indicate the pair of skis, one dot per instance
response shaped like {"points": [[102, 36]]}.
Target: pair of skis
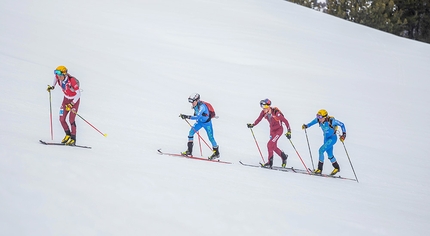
{"points": [[294, 170], [62, 144], [192, 157]]}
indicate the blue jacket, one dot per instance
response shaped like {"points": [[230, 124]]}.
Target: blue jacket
{"points": [[328, 130], [201, 113]]}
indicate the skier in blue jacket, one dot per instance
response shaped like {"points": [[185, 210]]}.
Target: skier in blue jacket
{"points": [[203, 120], [329, 127]]}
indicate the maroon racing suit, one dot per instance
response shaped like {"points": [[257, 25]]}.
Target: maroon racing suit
{"points": [[275, 119], [72, 94]]}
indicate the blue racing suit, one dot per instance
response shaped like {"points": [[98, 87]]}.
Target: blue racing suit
{"points": [[203, 120], [330, 137]]}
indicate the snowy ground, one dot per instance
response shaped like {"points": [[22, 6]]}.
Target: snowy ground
{"points": [[138, 61]]}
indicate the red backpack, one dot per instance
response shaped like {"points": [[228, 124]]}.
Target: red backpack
{"points": [[211, 109], [275, 111]]}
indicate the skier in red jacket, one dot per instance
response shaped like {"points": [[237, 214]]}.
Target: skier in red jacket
{"points": [[275, 118], [71, 100]]}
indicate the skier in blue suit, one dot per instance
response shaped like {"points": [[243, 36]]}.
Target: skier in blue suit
{"points": [[203, 120], [329, 127]]}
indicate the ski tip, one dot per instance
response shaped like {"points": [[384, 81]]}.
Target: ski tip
{"points": [[43, 142]]}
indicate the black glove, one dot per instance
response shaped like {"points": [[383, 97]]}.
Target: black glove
{"points": [[304, 126], [49, 88], [250, 125], [184, 116], [288, 134]]}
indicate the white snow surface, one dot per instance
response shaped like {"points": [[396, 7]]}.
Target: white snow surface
{"points": [[138, 61]]}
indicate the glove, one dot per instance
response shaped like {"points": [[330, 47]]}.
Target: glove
{"points": [[250, 126], [50, 88], [343, 137], [288, 134], [184, 116], [69, 106], [304, 126]]}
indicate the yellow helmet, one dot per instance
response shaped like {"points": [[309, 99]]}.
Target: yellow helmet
{"points": [[62, 69], [322, 113]]}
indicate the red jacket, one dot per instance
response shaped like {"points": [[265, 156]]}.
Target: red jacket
{"points": [[69, 86], [275, 119]]}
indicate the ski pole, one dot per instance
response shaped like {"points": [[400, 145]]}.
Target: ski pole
{"points": [[350, 161], [257, 144], [299, 156], [89, 123], [200, 145], [195, 131], [309, 147], [50, 115]]}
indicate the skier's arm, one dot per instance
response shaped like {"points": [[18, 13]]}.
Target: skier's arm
{"points": [[260, 117], [314, 121], [199, 113], [54, 82], [52, 86], [283, 119], [339, 123], [77, 96], [75, 87]]}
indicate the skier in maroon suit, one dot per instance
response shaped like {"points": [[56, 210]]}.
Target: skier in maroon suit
{"points": [[275, 118], [71, 100]]}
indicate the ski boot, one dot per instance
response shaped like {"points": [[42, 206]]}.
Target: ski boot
{"points": [[66, 138], [320, 167], [71, 141], [268, 164], [215, 153], [336, 168], [284, 159], [189, 151]]}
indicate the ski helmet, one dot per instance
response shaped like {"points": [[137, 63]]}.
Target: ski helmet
{"points": [[265, 102], [60, 70], [194, 97], [322, 113]]}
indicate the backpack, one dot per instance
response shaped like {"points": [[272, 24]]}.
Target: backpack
{"points": [[211, 109], [77, 81], [275, 111], [330, 123]]}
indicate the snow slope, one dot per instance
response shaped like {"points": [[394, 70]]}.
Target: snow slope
{"points": [[138, 61]]}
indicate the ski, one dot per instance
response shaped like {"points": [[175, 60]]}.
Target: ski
{"points": [[284, 169], [330, 176], [192, 157], [62, 144]]}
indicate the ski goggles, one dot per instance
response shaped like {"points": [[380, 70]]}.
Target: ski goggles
{"points": [[190, 100], [320, 116], [264, 105], [57, 72]]}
